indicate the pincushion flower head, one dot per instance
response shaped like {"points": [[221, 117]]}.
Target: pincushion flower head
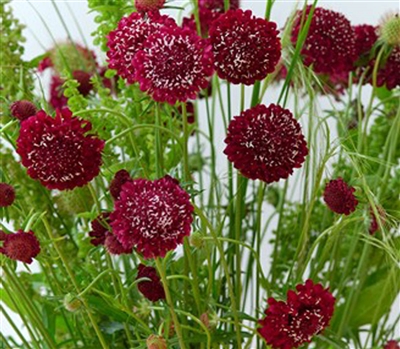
{"points": [[339, 197], [58, 151], [330, 46], [174, 65], [153, 290], [152, 216], [305, 313], [125, 41], [245, 48], [149, 5], [20, 246], [22, 109], [265, 143], [7, 195]]}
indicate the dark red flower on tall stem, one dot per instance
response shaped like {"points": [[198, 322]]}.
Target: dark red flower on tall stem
{"points": [[20, 246], [125, 41], [339, 197], [7, 195], [152, 216], [265, 143], [246, 48], [305, 313], [153, 290], [174, 65], [58, 151], [330, 46]]}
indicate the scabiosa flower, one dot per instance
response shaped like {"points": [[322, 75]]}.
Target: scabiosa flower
{"points": [[305, 314], [246, 48], [152, 216], [392, 344], [330, 45], [120, 178], [174, 65], [153, 290], [265, 143], [339, 197], [22, 109], [156, 342], [389, 74], [58, 151], [366, 37], [125, 41], [57, 98], [149, 5], [20, 246], [7, 195]]}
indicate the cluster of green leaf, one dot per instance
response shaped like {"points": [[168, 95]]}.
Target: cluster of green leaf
{"points": [[16, 81]]}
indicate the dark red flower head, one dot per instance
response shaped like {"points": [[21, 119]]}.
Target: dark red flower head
{"points": [[153, 290], [374, 225], [58, 151], [265, 143], [330, 45], [389, 75], [246, 48], [305, 314], [83, 78], [7, 195], [22, 110], [125, 41], [152, 216], [120, 178], [339, 197], [20, 246], [392, 345], [218, 5], [149, 5], [174, 65], [57, 98], [366, 37]]}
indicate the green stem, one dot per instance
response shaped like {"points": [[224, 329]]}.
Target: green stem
{"points": [[74, 282], [168, 297]]}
